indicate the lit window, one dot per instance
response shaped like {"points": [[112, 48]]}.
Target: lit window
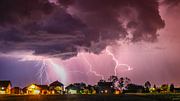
{"points": [[36, 92], [33, 86]]}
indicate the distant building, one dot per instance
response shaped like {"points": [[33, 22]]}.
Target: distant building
{"points": [[77, 88], [36, 89], [5, 87], [44, 89], [177, 90], [117, 91], [72, 89], [32, 89], [133, 88], [56, 88], [24, 90], [90, 90], [16, 90], [105, 87]]}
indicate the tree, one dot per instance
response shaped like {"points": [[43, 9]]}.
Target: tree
{"points": [[119, 83], [124, 81], [102, 80], [172, 88], [113, 78], [154, 86], [127, 81], [147, 86], [164, 87]]}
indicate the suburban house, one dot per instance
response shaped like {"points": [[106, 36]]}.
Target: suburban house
{"points": [[89, 90], [117, 91], [36, 89], [77, 88], [93, 89], [56, 88], [24, 90], [32, 89], [5, 87], [72, 89], [133, 88], [177, 90], [16, 90], [44, 89], [105, 87]]}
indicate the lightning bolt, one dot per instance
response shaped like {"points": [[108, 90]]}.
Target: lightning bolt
{"points": [[45, 65], [91, 69], [42, 73], [41, 62], [117, 62]]}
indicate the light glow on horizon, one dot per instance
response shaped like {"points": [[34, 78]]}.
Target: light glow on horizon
{"points": [[60, 71], [45, 64], [51, 69]]}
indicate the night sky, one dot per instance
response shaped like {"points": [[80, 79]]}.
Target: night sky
{"points": [[83, 40]]}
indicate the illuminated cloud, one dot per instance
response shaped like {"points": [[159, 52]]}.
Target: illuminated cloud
{"points": [[171, 3], [62, 29], [73, 29]]}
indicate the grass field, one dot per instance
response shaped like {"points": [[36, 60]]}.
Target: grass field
{"points": [[124, 97]]}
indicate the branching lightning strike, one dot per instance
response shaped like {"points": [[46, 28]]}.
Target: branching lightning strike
{"points": [[91, 69], [117, 64], [45, 65], [42, 73]]}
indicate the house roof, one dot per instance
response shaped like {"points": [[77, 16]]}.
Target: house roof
{"points": [[45, 87], [56, 83], [177, 88], [16, 88], [5, 83], [71, 86]]}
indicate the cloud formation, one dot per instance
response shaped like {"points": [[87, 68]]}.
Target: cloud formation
{"points": [[171, 3], [62, 29]]}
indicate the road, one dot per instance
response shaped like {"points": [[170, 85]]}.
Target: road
{"points": [[126, 97]]}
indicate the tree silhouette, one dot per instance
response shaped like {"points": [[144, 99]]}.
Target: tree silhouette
{"points": [[119, 83], [102, 80], [147, 86], [113, 78], [172, 88]]}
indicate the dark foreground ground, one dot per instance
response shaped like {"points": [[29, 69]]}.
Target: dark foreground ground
{"points": [[124, 97]]}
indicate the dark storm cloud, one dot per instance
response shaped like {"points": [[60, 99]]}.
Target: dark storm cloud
{"points": [[7, 36], [15, 11], [171, 3], [61, 23], [142, 16], [61, 30]]}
